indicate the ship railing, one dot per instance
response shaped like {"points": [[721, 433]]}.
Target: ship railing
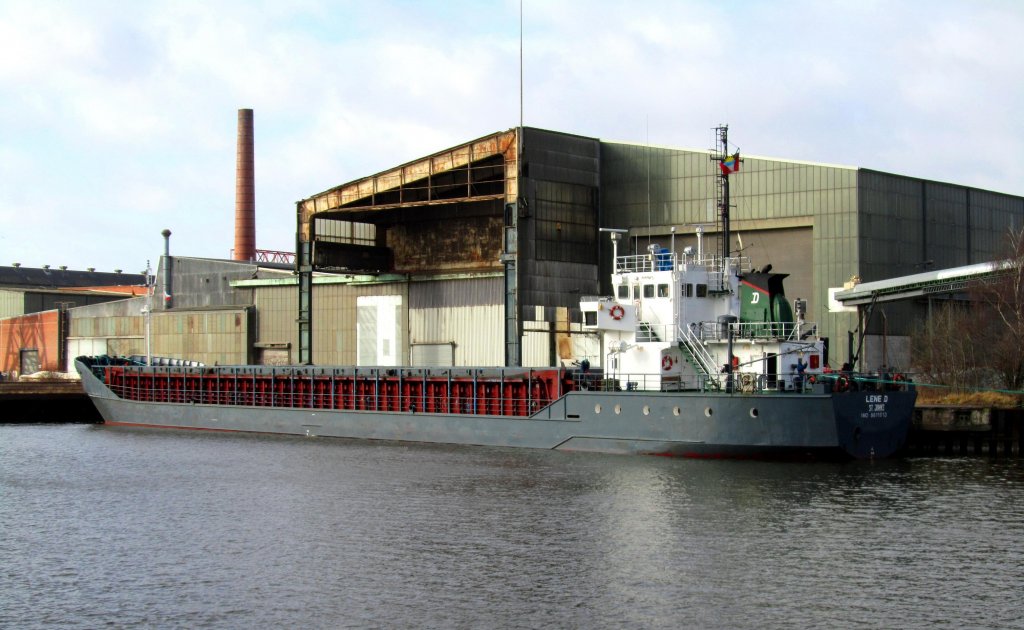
{"points": [[666, 260], [733, 264], [739, 382], [756, 330], [646, 331], [645, 263], [696, 348], [716, 381]]}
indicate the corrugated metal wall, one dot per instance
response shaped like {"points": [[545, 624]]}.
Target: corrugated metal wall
{"points": [[276, 310], [205, 283], [12, 303], [558, 244], [909, 225], [848, 221], [906, 222], [801, 218], [20, 301], [468, 313], [211, 337], [334, 317]]}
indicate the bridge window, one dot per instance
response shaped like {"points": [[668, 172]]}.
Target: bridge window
{"points": [[648, 290], [590, 318], [623, 291], [687, 290], [663, 290], [702, 290]]}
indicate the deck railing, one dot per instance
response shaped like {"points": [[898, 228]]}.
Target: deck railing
{"points": [[668, 261]]}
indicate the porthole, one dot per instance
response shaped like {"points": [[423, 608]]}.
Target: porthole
{"points": [[597, 408], [676, 411], [753, 412], [618, 409], [647, 410], [708, 412]]}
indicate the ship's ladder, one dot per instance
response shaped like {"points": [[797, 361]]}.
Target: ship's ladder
{"points": [[696, 353]]}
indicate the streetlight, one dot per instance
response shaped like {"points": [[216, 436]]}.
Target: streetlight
{"points": [[147, 312]]}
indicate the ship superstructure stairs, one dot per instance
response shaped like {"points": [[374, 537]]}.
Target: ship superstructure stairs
{"points": [[697, 355]]}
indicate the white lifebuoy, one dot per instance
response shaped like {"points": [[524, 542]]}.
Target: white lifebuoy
{"points": [[617, 312], [667, 362]]}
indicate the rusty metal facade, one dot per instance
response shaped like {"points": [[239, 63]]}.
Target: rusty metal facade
{"points": [[222, 336], [523, 203], [446, 177]]}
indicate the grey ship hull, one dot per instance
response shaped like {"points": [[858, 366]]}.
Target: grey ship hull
{"points": [[686, 424]]}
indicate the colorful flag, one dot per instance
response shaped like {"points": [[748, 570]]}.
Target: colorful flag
{"points": [[730, 164]]}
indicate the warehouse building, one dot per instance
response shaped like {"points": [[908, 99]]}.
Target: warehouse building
{"points": [[479, 254], [34, 304], [508, 225]]}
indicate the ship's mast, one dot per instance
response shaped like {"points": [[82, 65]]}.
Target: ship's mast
{"points": [[719, 157]]}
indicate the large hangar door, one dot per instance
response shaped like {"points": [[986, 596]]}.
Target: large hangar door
{"points": [[458, 321]]}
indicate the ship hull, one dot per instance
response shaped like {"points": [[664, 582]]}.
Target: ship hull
{"points": [[683, 424]]}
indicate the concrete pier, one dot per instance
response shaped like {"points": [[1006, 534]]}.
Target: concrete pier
{"points": [[50, 402], [954, 430]]}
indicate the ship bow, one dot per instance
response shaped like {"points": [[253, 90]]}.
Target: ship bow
{"points": [[873, 424]]}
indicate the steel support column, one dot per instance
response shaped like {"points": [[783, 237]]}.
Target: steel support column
{"points": [[510, 258], [304, 269]]}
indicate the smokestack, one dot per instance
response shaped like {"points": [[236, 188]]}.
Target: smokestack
{"points": [[168, 269], [245, 190]]}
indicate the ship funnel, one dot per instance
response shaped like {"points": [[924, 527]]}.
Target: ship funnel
{"points": [[245, 190]]}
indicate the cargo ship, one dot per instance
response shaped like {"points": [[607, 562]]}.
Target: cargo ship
{"points": [[701, 356]]}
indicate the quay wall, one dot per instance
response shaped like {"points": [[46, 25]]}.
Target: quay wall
{"points": [[949, 430]]}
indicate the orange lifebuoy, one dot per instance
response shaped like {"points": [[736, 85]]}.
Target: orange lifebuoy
{"points": [[842, 384], [617, 312], [667, 362]]}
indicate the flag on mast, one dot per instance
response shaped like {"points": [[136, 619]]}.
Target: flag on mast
{"points": [[730, 164]]}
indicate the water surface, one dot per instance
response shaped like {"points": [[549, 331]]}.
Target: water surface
{"points": [[147, 528]]}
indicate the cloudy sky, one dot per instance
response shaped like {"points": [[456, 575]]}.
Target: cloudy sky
{"points": [[118, 119]]}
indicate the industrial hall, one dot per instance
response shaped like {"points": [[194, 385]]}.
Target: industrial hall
{"points": [[481, 253]]}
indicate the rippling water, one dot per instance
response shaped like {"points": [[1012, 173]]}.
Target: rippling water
{"points": [[129, 528]]}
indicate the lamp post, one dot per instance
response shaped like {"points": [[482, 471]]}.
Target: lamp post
{"points": [[147, 312]]}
